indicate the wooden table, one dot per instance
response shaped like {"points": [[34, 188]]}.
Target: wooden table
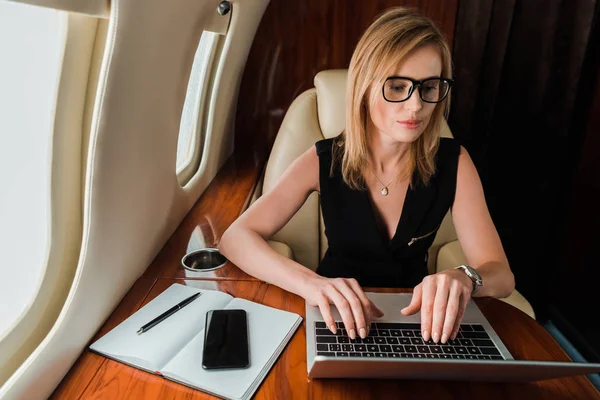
{"points": [[94, 376]]}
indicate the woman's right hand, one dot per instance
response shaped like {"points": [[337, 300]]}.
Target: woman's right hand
{"points": [[355, 308]]}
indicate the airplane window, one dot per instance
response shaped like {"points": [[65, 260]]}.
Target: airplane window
{"points": [[189, 145], [31, 43]]}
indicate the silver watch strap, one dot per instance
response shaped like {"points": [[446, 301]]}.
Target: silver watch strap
{"points": [[473, 275]]}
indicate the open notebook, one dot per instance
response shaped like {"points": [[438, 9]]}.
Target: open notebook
{"points": [[173, 348]]}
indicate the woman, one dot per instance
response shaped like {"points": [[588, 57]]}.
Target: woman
{"points": [[385, 184]]}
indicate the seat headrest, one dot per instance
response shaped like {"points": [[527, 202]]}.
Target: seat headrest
{"points": [[331, 100]]}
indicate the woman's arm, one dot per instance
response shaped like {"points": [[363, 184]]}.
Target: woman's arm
{"points": [[244, 242], [443, 297], [477, 234]]}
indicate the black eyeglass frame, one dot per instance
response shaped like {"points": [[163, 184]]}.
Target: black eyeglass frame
{"points": [[416, 83]]}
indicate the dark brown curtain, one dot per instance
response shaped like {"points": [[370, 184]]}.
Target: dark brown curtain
{"points": [[524, 71]]}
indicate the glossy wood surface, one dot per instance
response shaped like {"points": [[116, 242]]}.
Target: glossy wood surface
{"points": [[95, 376], [525, 339], [220, 204]]}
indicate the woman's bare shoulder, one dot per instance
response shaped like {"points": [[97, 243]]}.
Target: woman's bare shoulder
{"points": [[309, 167], [303, 173]]}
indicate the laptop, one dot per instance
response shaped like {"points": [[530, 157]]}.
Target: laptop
{"points": [[395, 349]]}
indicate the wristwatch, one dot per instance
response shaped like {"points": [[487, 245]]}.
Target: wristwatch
{"points": [[473, 275]]}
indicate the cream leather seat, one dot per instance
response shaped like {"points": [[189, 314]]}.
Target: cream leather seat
{"points": [[316, 114]]}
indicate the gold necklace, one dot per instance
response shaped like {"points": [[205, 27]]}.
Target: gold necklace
{"points": [[384, 189]]}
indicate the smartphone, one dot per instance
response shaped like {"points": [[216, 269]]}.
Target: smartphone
{"points": [[225, 340]]}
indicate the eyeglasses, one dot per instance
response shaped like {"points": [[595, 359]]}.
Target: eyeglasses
{"points": [[397, 89]]}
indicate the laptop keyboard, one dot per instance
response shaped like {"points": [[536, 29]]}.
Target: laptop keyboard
{"points": [[403, 340]]}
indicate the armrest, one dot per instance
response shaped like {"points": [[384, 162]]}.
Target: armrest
{"points": [[450, 255], [281, 248]]}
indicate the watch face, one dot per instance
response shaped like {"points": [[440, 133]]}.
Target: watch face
{"points": [[473, 275], [474, 272]]}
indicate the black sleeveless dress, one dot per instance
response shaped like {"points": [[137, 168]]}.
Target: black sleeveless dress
{"points": [[357, 248]]}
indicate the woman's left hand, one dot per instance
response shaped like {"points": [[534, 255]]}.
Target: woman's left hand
{"points": [[442, 299]]}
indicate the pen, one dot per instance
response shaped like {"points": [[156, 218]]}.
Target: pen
{"points": [[168, 313]]}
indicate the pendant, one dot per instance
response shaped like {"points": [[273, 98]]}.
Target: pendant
{"points": [[384, 191]]}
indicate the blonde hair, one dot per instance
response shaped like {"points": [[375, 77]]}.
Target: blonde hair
{"points": [[391, 37]]}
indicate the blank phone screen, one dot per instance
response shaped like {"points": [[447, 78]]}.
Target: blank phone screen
{"points": [[225, 340]]}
